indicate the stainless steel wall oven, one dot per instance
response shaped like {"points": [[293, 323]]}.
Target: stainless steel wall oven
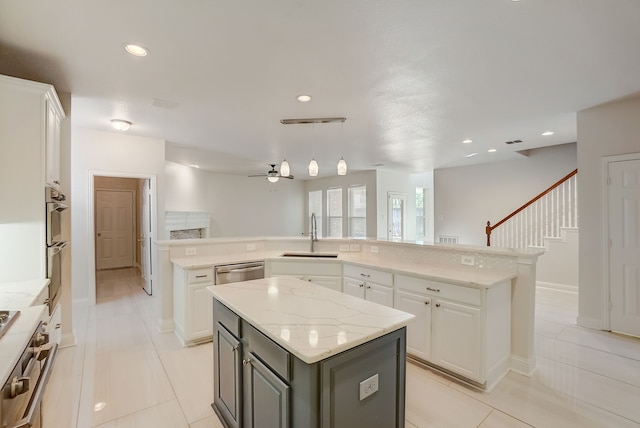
{"points": [[54, 208]]}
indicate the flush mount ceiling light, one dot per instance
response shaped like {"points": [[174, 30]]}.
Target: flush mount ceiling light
{"points": [[547, 133], [304, 98], [467, 141], [136, 50], [492, 150], [120, 124]]}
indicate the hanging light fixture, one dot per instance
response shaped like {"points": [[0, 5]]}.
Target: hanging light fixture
{"points": [[285, 171], [342, 167], [273, 179], [313, 168]]}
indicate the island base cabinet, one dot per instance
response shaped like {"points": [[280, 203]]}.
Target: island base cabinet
{"points": [[227, 377]]}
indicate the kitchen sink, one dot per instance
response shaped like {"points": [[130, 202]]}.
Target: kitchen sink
{"points": [[311, 255]]}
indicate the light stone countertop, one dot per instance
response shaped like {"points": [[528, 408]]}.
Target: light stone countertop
{"points": [[21, 294], [310, 321], [460, 275], [17, 337]]}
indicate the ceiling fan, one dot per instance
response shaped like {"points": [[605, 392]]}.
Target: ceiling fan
{"points": [[272, 175]]}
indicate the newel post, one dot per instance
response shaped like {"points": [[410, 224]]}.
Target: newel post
{"points": [[488, 232]]}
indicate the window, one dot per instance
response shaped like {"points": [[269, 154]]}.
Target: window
{"points": [[315, 206], [358, 212], [420, 217], [334, 212]]}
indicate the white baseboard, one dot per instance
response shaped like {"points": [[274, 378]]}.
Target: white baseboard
{"points": [[523, 366], [593, 323], [68, 340], [557, 286]]}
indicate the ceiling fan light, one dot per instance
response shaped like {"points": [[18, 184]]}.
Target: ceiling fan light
{"points": [[313, 168], [342, 167], [285, 171], [273, 179]]}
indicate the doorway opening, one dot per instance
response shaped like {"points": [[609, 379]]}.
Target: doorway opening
{"points": [[122, 220], [396, 216]]}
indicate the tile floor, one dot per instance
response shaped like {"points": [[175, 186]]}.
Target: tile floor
{"points": [[123, 373]]}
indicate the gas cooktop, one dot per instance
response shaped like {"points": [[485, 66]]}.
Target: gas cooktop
{"points": [[6, 319]]}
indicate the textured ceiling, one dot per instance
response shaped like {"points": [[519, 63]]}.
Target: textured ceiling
{"points": [[413, 77]]}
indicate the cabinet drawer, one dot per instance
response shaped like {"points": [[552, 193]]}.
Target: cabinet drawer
{"points": [[366, 274], [426, 287], [269, 352], [200, 275], [226, 317]]}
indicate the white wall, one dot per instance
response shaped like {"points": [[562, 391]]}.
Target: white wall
{"points": [[467, 197], [238, 205], [606, 130], [106, 153]]}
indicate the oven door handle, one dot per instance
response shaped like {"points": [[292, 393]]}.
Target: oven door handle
{"points": [[36, 399]]}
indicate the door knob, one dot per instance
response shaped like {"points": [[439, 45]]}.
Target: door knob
{"points": [[99, 234]]}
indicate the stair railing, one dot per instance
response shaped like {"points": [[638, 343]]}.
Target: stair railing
{"points": [[541, 217]]}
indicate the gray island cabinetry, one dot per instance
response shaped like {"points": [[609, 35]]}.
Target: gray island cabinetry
{"points": [[289, 353]]}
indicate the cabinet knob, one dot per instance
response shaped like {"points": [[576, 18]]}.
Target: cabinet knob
{"points": [[437, 305], [361, 285], [368, 287], [426, 303], [247, 361]]}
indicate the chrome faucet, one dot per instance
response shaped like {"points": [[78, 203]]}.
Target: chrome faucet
{"points": [[314, 231]]}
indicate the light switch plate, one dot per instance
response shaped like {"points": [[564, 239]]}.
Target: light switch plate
{"points": [[344, 247], [251, 247], [368, 386], [191, 251], [468, 260], [374, 249]]}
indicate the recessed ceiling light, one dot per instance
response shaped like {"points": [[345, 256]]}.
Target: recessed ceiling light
{"points": [[136, 50], [467, 141], [492, 150], [304, 98], [470, 155], [120, 124], [546, 133]]}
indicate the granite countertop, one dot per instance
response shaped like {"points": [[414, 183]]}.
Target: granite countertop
{"points": [[459, 275], [310, 321], [21, 294], [17, 337]]}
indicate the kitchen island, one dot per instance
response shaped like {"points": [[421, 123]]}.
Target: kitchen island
{"points": [[289, 353]]}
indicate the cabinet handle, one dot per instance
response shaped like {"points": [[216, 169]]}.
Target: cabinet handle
{"points": [[247, 361], [58, 326], [201, 276], [437, 305], [426, 303], [437, 290], [365, 275]]}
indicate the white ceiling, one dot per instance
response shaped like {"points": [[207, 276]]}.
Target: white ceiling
{"points": [[413, 77]]}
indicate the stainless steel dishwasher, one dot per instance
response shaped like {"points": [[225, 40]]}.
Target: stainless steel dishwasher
{"points": [[238, 272]]}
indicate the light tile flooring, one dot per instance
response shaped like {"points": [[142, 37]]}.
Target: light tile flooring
{"points": [[123, 373]]}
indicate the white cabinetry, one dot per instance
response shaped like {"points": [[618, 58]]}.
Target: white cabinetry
{"points": [[322, 272], [24, 132], [52, 140], [370, 284], [192, 304], [461, 329], [53, 327]]}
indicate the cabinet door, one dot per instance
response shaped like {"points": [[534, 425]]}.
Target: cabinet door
{"points": [[267, 397], [54, 326], [227, 366], [52, 146], [379, 294], [353, 287], [419, 328], [457, 338], [332, 282], [200, 312]]}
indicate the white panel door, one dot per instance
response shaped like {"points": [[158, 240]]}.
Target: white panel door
{"points": [[624, 248], [396, 214], [145, 236], [114, 229]]}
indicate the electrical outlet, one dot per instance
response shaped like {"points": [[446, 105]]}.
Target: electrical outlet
{"points": [[374, 249], [191, 251], [468, 260], [251, 247], [354, 247], [344, 247], [368, 386]]}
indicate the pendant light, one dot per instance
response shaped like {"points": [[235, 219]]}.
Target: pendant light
{"points": [[313, 168], [342, 167], [285, 171], [273, 179]]}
